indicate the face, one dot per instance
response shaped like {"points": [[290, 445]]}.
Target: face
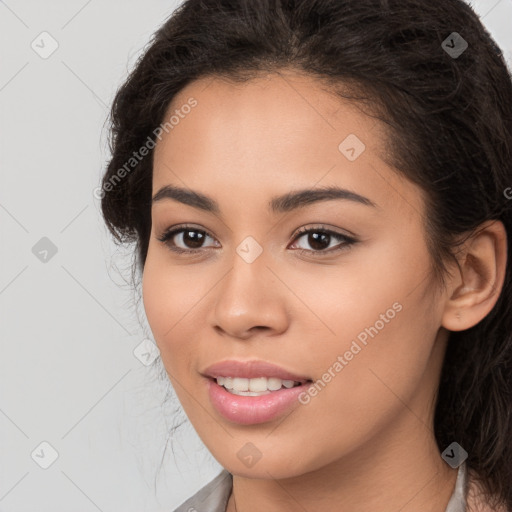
{"points": [[331, 291]]}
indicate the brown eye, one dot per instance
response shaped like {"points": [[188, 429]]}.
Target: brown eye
{"points": [[320, 239], [185, 239]]}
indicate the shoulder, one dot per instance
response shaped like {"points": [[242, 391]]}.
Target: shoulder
{"points": [[213, 496], [477, 500]]}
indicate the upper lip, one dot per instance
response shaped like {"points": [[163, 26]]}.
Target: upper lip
{"points": [[251, 370]]}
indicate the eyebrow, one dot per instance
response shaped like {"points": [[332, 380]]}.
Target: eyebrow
{"points": [[280, 204]]}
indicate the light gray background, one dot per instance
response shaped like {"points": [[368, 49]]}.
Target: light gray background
{"points": [[68, 373]]}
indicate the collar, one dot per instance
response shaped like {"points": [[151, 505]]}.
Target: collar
{"points": [[457, 501]]}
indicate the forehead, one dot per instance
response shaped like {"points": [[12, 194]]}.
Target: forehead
{"points": [[286, 108], [268, 135]]}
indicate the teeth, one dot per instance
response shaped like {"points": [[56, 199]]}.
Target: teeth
{"points": [[254, 387], [240, 384], [274, 384], [259, 384]]}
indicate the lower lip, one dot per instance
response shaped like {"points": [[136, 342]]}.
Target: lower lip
{"points": [[249, 410]]}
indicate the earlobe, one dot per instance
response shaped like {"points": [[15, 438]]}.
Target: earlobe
{"points": [[478, 282]]}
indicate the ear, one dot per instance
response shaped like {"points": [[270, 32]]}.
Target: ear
{"points": [[475, 288]]}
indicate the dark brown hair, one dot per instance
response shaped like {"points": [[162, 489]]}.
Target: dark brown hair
{"points": [[449, 121]]}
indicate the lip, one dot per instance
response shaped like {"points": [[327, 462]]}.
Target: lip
{"points": [[251, 370], [250, 410]]}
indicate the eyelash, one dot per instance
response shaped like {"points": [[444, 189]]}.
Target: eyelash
{"points": [[347, 241]]}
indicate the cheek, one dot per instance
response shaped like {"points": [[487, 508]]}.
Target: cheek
{"points": [[373, 294], [169, 295], [383, 328]]}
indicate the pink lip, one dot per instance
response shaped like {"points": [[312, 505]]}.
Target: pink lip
{"points": [[250, 370], [249, 410]]}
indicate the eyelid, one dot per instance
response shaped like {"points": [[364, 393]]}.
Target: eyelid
{"points": [[325, 229]]}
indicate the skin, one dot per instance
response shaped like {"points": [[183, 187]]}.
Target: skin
{"points": [[366, 441]]}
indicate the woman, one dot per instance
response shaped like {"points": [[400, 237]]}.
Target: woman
{"points": [[317, 190]]}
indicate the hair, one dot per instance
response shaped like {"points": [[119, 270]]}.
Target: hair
{"points": [[449, 127]]}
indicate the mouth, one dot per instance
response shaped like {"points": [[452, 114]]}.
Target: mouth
{"points": [[251, 392], [236, 404]]}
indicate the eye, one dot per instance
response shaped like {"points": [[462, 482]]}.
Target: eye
{"points": [[190, 237], [320, 239]]}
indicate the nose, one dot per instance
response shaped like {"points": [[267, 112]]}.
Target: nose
{"points": [[250, 300]]}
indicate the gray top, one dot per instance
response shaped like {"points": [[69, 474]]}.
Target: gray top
{"points": [[214, 496]]}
